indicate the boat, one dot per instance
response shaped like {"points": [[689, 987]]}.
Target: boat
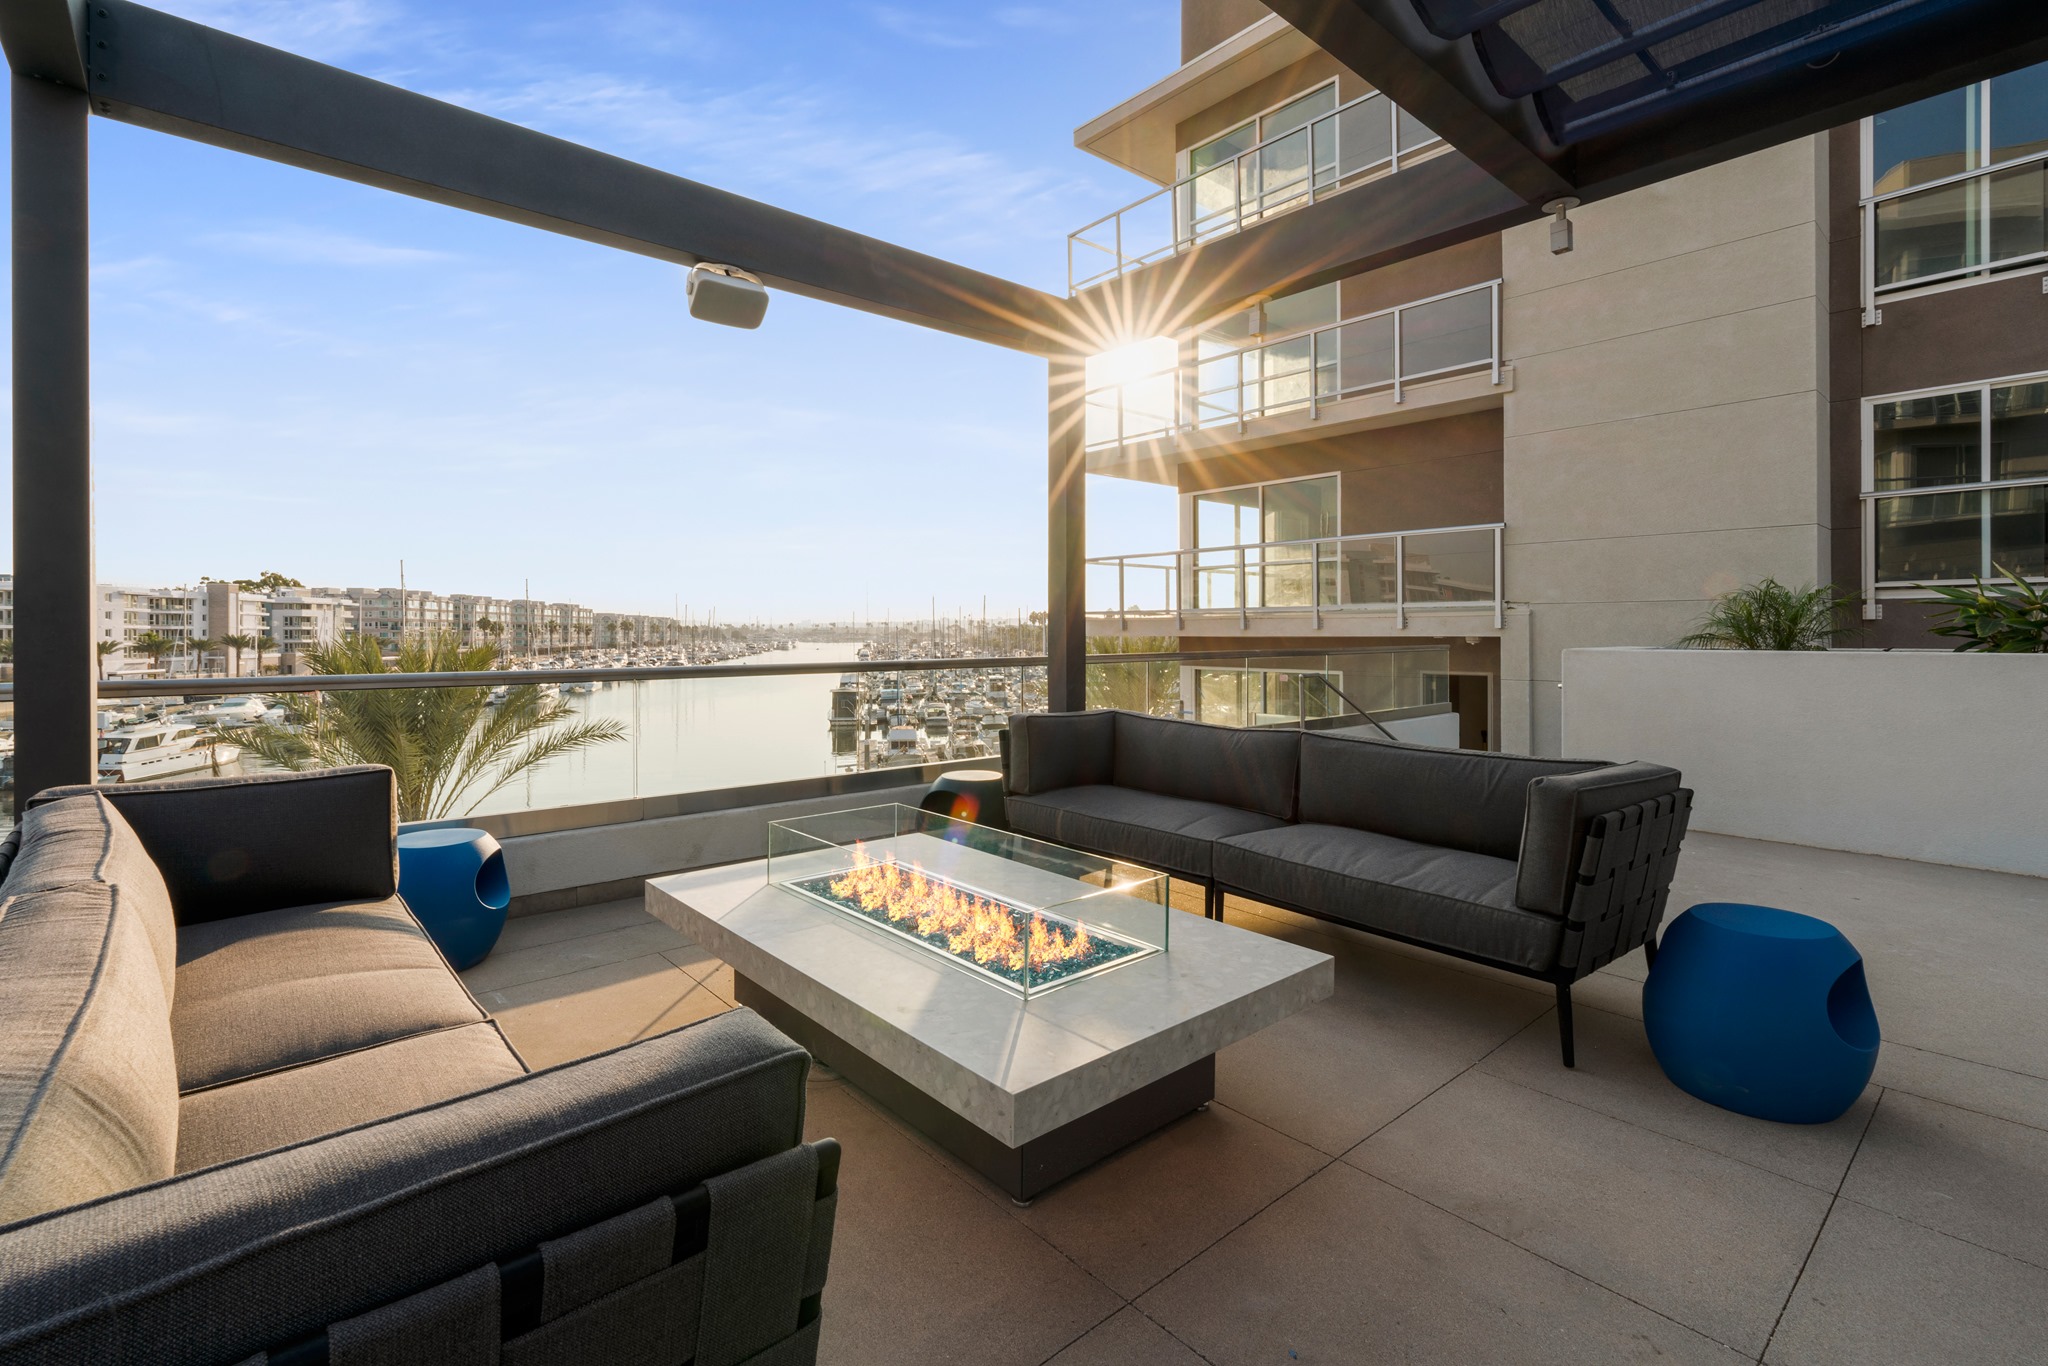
{"points": [[228, 711], [161, 749]]}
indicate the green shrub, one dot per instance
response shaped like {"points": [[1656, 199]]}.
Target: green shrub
{"points": [[1769, 616], [2006, 618]]}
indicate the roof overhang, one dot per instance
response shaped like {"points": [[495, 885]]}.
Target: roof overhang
{"points": [[1138, 134], [1547, 96]]}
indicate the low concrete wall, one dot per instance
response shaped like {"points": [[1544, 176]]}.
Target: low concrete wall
{"points": [[592, 864], [1916, 754]]}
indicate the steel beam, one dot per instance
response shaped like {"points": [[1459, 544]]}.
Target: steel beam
{"points": [[54, 665], [44, 38], [1431, 204], [1440, 83], [165, 73], [1066, 542]]}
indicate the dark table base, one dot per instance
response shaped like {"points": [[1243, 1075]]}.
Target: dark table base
{"points": [[1022, 1171]]}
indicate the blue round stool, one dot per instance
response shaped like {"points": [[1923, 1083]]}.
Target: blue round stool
{"points": [[969, 794], [454, 880], [1761, 1011]]}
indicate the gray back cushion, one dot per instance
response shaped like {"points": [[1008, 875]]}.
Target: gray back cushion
{"points": [[88, 1083], [1054, 750], [234, 846], [1253, 770], [1456, 798], [85, 839]]}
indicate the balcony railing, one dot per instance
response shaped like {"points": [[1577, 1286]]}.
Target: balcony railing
{"points": [[1363, 140], [703, 737], [1972, 224], [1445, 334], [1386, 573]]}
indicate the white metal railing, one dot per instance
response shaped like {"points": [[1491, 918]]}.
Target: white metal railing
{"points": [[1986, 220], [1393, 572], [1953, 517], [1445, 334], [1362, 140]]}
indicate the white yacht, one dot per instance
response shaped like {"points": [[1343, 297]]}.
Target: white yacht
{"points": [[228, 711], [133, 754]]}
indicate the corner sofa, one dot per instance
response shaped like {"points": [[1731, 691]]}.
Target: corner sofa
{"points": [[249, 1115], [1550, 868]]}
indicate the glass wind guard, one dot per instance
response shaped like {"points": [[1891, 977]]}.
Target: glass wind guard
{"points": [[1019, 913]]}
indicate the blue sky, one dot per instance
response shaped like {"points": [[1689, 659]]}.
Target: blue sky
{"points": [[297, 373]]}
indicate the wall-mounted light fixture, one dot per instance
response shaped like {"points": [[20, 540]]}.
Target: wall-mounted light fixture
{"points": [[726, 295], [1560, 226]]}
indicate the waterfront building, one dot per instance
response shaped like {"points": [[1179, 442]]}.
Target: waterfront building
{"points": [[1823, 362]]}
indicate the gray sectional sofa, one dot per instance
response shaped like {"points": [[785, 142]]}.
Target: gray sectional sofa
{"points": [[1550, 868], [249, 1114]]}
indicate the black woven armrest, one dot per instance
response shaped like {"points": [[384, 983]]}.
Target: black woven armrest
{"points": [[1624, 881], [236, 846]]}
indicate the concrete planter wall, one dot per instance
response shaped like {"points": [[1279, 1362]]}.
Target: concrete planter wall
{"points": [[1917, 754]]}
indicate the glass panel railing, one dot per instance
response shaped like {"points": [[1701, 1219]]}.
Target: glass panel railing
{"points": [[1450, 333], [1450, 566], [1356, 142], [1989, 221], [1930, 537]]}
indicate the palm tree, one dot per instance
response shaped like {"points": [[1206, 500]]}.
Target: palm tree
{"points": [[446, 745], [103, 649], [155, 645], [263, 643], [203, 647], [1769, 616], [238, 644]]}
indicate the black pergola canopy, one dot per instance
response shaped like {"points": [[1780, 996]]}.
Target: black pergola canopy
{"points": [[1586, 98]]}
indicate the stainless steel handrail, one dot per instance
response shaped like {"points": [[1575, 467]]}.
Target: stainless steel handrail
{"points": [[492, 678], [1302, 191]]}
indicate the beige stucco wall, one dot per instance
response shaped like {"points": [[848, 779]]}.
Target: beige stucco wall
{"points": [[1666, 438]]}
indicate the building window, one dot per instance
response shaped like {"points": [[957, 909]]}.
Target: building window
{"points": [[1956, 484], [1956, 185], [1270, 528]]}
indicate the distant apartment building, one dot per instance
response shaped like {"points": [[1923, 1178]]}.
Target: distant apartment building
{"points": [[1823, 362]]}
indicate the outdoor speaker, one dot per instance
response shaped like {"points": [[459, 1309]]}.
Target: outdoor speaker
{"points": [[726, 295]]}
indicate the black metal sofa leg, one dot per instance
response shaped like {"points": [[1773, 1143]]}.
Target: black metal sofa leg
{"points": [[1212, 901], [1649, 953], [1564, 1021]]}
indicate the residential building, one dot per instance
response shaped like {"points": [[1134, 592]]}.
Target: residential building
{"points": [[394, 615], [1823, 362]]}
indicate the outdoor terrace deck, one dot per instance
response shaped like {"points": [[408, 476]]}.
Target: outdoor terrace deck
{"points": [[1405, 1173]]}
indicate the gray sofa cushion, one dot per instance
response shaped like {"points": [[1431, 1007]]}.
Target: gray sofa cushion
{"points": [[1460, 799], [88, 1084], [260, 992], [1254, 770], [269, 1111], [221, 1263], [1170, 833], [1052, 750], [86, 839], [233, 846], [1560, 808], [1444, 898]]}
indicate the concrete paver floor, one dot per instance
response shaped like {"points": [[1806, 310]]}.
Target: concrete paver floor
{"points": [[1404, 1172]]}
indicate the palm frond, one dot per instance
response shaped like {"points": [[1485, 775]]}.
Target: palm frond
{"points": [[1767, 615]]}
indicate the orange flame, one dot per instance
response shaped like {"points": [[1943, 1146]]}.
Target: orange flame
{"points": [[973, 926]]}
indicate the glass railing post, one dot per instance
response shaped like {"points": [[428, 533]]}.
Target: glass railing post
{"points": [[1400, 578], [1315, 581], [1244, 620], [1399, 313], [1493, 292], [1498, 606]]}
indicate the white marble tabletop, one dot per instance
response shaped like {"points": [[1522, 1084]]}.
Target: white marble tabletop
{"points": [[1016, 1068]]}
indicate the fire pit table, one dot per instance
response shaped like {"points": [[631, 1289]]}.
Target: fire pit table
{"points": [[1030, 1008]]}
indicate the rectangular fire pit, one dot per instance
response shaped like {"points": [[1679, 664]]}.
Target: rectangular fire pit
{"points": [[1026, 1089], [1013, 911]]}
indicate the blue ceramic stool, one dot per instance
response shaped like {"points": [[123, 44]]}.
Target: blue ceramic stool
{"points": [[454, 880], [1762, 1012], [969, 794]]}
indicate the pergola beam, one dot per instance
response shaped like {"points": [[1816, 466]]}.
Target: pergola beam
{"points": [[157, 71], [1427, 206]]}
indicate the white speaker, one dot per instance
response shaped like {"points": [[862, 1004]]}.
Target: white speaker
{"points": [[726, 295]]}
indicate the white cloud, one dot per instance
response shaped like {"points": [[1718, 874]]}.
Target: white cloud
{"points": [[299, 245], [1039, 18], [919, 28], [322, 29]]}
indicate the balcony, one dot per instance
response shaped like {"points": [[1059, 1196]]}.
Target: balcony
{"points": [[1361, 141], [1423, 359], [1957, 228], [1440, 581]]}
